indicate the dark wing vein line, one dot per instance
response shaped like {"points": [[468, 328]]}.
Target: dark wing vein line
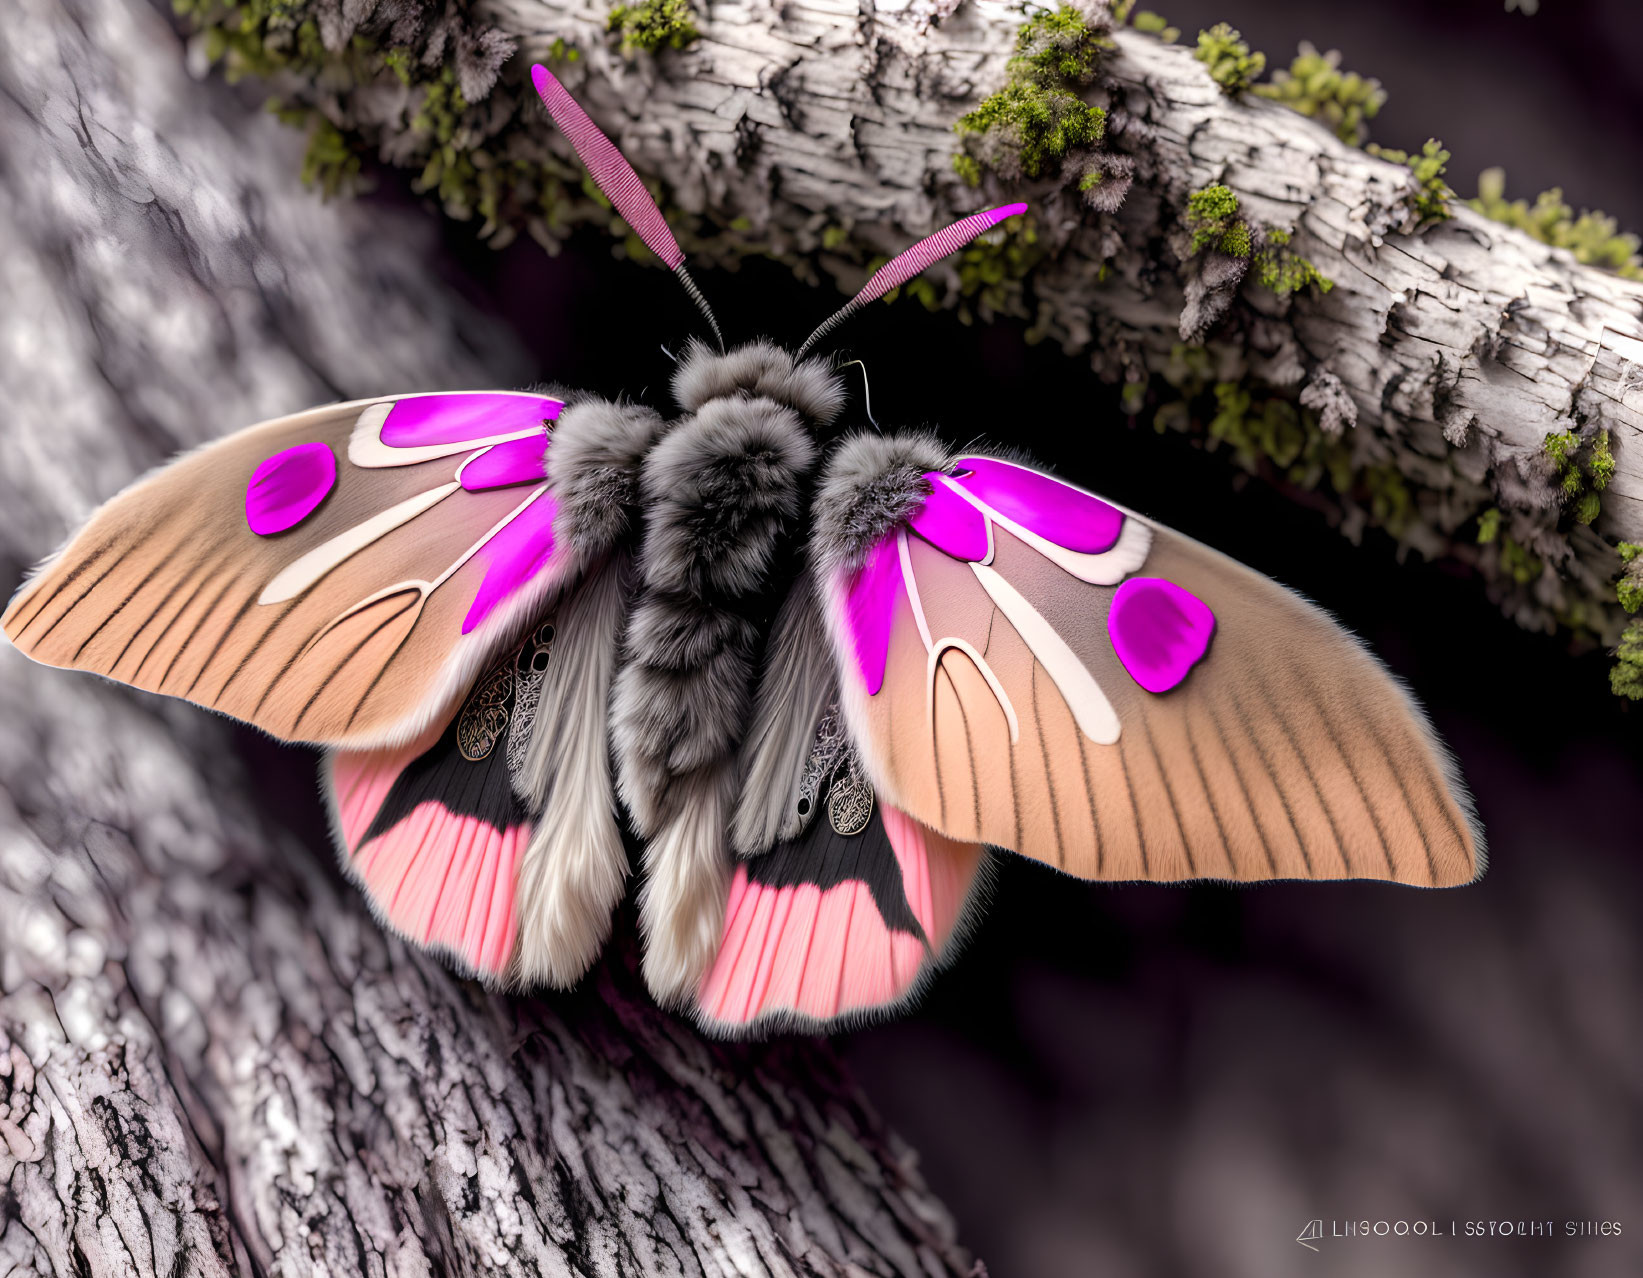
{"points": [[1351, 771], [66, 611], [233, 625], [323, 684], [1295, 745], [1174, 807], [1283, 798], [1049, 777], [130, 595], [69, 579], [204, 577], [1209, 795], [1135, 811], [1089, 796]]}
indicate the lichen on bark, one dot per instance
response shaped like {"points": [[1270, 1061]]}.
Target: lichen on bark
{"points": [[1231, 62]]}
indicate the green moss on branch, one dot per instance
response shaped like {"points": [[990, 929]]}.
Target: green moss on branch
{"points": [[1215, 222], [1038, 118], [1514, 560], [1041, 123], [1059, 46], [1629, 589], [1283, 271], [1231, 63], [1150, 23], [1584, 468], [1593, 237], [1316, 86], [329, 164], [1626, 676], [654, 25], [1431, 200], [1212, 217]]}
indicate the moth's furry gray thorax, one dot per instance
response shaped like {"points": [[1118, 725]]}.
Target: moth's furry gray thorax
{"points": [[871, 484], [593, 461], [758, 369], [720, 491]]}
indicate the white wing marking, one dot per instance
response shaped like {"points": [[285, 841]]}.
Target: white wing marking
{"points": [[912, 588], [968, 650], [469, 461], [1089, 705], [303, 572], [426, 588]]}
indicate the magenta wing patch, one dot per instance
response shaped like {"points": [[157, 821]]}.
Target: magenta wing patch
{"points": [[871, 610], [519, 461], [1080, 533], [421, 420], [951, 524], [489, 440], [288, 487], [515, 554], [1040, 503], [1159, 631]]}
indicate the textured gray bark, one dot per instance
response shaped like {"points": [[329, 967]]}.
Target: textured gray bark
{"points": [[211, 1059], [1457, 348]]}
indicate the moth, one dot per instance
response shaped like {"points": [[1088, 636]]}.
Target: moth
{"points": [[828, 674]]}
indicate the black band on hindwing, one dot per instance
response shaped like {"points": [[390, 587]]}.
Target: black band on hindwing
{"points": [[823, 856], [467, 771]]}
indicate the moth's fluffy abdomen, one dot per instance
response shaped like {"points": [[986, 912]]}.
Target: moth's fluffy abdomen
{"points": [[681, 698], [677, 635], [671, 723]]}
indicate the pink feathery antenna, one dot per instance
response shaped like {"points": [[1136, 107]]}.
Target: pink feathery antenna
{"points": [[615, 177], [914, 261]]}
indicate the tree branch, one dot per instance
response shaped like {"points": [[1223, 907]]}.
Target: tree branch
{"points": [[1432, 374], [1458, 347]]}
